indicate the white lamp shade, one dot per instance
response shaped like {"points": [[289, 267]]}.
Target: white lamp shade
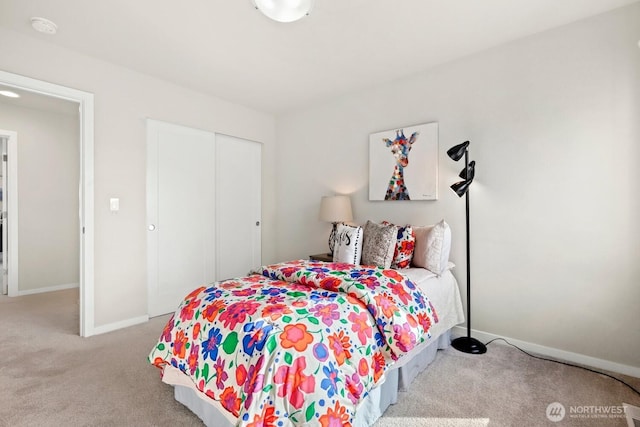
{"points": [[284, 10], [335, 209]]}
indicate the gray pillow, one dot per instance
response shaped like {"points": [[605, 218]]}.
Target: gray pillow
{"points": [[378, 244]]}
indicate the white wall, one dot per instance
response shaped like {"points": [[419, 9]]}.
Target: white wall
{"points": [[48, 177], [554, 124], [123, 99]]}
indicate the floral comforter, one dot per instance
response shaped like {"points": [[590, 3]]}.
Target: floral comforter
{"points": [[301, 343]]}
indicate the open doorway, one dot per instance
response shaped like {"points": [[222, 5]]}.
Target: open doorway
{"points": [[82, 104]]}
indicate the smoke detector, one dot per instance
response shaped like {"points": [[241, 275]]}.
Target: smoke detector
{"points": [[43, 25]]}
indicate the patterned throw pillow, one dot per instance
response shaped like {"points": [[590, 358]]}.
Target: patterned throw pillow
{"points": [[379, 242], [406, 241], [348, 248]]}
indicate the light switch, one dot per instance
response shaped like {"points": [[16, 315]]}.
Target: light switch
{"points": [[114, 204]]}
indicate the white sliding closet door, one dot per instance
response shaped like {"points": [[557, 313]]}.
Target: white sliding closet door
{"points": [[238, 206], [203, 211], [180, 213]]}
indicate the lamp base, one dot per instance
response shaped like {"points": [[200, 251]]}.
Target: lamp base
{"points": [[332, 238], [469, 345]]}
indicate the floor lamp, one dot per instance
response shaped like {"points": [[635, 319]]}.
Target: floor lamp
{"points": [[466, 344]]}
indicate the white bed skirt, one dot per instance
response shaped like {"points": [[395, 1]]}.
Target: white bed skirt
{"points": [[369, 410]]}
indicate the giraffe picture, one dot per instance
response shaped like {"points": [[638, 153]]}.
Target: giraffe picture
{"points": [[403, 163]]}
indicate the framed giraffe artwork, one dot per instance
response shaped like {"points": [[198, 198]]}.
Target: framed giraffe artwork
{"points": [[403, 163]]}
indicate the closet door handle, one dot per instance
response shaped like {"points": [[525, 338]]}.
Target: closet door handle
{"points": [[152, 227]]}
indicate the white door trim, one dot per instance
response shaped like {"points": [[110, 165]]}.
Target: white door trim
{"points": [[11, 207], [86, 211], [4, 141]]}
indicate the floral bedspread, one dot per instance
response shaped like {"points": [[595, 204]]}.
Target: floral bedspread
{"points": [[301, 343]]}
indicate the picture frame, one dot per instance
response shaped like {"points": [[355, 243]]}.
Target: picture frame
{"points": [[403, 163]]}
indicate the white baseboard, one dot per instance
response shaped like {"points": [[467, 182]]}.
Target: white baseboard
{"points": [[47, 289], [109, 327], [554, 353]]}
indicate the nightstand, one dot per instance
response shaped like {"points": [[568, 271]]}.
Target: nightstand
{"points": [[321, 257]]}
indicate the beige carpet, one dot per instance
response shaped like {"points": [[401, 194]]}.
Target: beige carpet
{"points": [[49, 376]]}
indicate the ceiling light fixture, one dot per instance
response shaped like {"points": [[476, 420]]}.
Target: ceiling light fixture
{"points": [[9, 94], [43, 25], [284, 10]]}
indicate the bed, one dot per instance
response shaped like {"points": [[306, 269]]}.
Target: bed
{"points": [[306, 342]]}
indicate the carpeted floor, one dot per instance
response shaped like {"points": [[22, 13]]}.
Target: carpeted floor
{"points": [[49, 376]]}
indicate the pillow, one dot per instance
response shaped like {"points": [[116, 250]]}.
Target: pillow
{"points": [[403, 252], [348, 246], [433, 245], [378, 244]]}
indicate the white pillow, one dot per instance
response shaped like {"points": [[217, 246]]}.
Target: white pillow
{"points": [[348, 248], [433, 245]]}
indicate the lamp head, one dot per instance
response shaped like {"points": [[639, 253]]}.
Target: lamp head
{"points": [[456, 152], [461, 187], [335, 209], [469, 172]]}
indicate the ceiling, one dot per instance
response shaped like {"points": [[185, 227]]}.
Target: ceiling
{"points": [[228, 49]]}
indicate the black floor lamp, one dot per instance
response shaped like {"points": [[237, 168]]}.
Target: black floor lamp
{"points": [[466, 344]]}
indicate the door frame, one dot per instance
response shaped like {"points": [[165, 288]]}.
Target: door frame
{"points": [[85, 190], [10, 206]]}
